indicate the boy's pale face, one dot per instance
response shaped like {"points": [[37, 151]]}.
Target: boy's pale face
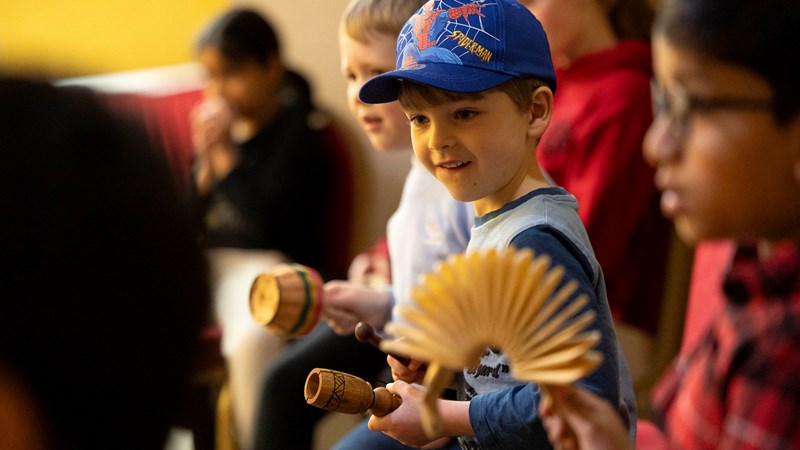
{"points": [[732, 172], [384, 124], [481, 150]]}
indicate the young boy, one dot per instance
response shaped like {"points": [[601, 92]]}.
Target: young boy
{"points": [[476, 81], [427, 226], [726, 148]]}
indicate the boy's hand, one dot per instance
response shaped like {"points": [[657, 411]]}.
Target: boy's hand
{"points": [[216, 156], [404, 423], [371, 267], [414, 372], [578, 419], [347, 303], [211, 122]]}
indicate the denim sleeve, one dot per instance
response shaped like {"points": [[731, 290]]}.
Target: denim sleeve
{"points": [[508, 419]]}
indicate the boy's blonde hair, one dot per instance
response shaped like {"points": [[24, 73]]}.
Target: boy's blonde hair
{"points": [[416, 95], [361, 17]]}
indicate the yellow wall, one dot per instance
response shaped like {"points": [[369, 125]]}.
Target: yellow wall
{"points": [[81, 37]]}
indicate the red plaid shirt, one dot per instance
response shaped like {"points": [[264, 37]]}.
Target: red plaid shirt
{"points": [[740, 387]]}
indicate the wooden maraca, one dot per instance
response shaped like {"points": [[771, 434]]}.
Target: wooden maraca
{"points": [[341, 392], [287, 299]]}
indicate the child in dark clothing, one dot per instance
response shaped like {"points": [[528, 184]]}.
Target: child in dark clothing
{"points": [[261, 172]]}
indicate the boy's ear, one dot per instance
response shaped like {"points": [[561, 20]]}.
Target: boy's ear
{"points": [[540, 111]]}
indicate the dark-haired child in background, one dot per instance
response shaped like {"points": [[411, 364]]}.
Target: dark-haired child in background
{"points": [[260, 171], [261, 184]]}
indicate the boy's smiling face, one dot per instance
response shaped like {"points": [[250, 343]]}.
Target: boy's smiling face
{"points": [[384, 124], [480, 149]]}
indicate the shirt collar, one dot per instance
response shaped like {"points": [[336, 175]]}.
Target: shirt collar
{"points": [[775, 277]]}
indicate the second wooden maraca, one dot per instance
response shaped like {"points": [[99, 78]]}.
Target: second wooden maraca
{"points": [[341, 392], [287, 299], [365, 333]]}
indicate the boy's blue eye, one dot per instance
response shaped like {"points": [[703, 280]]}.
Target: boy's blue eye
{"points": [[465, 114], [418, 120]]}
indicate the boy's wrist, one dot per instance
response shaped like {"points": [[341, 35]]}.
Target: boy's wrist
{"points": [[455, 418]]}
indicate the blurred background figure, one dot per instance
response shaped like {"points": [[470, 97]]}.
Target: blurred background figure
{"points": [[260, 173], [593, 148], [104, 289], [261, 186]]}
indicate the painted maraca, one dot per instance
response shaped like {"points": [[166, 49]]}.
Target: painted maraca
{"points": [[287, 299]]}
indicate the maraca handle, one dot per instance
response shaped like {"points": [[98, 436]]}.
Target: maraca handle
{"points": [[385, 402], [365, 333]]}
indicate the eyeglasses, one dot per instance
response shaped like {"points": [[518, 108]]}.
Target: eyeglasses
{"points": [[678, 106]]}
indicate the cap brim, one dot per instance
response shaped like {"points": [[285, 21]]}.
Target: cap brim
{"points": [[386, 87]]}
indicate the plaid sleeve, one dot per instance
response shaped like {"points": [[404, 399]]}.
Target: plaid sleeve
{"points": [[762, 399]]}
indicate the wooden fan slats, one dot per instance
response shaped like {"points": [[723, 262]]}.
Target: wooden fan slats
{"points": [[513, 284], [538, 318], [519, 312], [528, 320], [567, 351], [568, 373], [556, 321], [416, 343], [435, 286], [502, 282], [423, 321], [535, 349], [437, 378], [435, 305], [510, 299], [478, 266]]}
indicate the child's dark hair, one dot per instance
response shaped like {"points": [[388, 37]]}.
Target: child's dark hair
{"points": [[241, 35], [748, 33], [415, 95], [105, 289], [630, 19]]}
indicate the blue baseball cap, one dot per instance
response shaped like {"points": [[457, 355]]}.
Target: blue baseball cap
{"points": [[466, 47]]}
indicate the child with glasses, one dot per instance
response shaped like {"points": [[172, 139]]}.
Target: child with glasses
{"points": [[726, 148]]}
